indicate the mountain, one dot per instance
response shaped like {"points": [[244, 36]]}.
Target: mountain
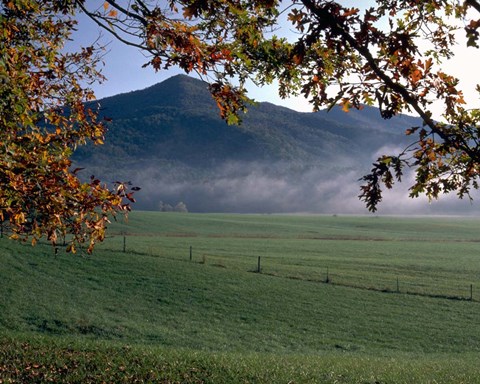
{"points": [[170, 140], [177, 120]]}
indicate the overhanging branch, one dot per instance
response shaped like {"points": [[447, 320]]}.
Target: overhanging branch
{"points": [[325, 16], [473, 4], [110, 30]]}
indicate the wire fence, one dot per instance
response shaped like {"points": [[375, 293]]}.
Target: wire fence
{"points": [[419, 282], [434, 284]]}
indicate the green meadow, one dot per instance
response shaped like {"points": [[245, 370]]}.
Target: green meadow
{"points": [[179, 298]]}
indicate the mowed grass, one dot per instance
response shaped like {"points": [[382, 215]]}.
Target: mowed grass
{"points": [[151, 314], [431, 256]]}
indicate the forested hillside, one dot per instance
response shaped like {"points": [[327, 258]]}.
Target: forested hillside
{"points": [[170, 140]]}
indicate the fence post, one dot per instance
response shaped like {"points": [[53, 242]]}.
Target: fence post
{"points": [[259, 269], [471, 292], [124, 243], [190, 253], [328, 277]]}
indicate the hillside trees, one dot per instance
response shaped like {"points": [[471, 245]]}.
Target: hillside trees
{"points": [[389, 55], [43, 119]]}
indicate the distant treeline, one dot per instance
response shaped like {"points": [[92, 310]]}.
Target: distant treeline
{"points": [[180, 207]]}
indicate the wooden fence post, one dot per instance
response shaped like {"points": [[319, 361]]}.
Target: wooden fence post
{"points": [[124, 243], [471, 292], [259, 269], [190, 253]]}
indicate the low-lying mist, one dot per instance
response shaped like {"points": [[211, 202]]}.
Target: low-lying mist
{"points": [[278, 188]]}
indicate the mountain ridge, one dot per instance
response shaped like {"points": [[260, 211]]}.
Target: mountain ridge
{"points": [[173, 130], [179, 111]]}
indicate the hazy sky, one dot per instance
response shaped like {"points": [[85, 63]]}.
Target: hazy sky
{"points": [[124, 73]]}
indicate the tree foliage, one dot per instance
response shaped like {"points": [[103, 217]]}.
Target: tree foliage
{"points": [[43, 119], [389, 55]]}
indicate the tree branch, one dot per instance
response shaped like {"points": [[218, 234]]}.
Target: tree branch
{"points": [[474, 4], [127, 12], [324, 15], [109, 30]]}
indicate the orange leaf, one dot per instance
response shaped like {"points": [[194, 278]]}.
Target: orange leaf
{"points": [[297, 59], [189, 12], [350, 12], [428, 64], [416, 76], [105, 5]]}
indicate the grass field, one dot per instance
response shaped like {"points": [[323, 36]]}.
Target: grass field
{"points": [[396, 308]]}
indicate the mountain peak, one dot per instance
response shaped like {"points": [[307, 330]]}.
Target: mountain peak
{"points": [[170, 135], [177, 84], [177, 92]]}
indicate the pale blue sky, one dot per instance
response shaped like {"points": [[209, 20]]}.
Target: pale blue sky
{"points": [[124, 72], [123, 68]]}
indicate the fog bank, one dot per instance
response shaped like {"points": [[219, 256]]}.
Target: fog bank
{"points": [[279, 188]]}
